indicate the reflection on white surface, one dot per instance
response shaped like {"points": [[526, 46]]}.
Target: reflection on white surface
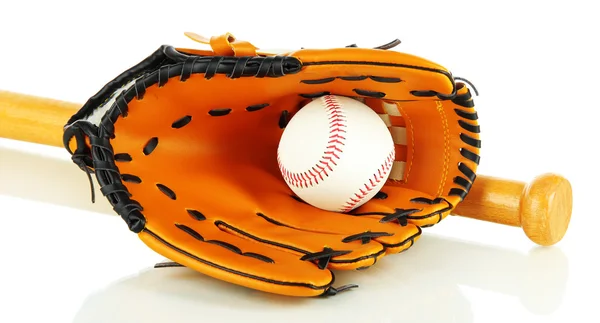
{"points": [[421, 285]]}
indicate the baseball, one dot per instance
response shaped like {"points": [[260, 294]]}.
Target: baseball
{"points": [[336, 153]]}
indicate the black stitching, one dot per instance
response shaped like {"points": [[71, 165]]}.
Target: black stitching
{"points": [[408, 240], [319, 81], [131, 178], [423, 93], [385, 79], [323, 257], [365, 237], [163, 75], [314, 95], [219, 112], [123, 157], [121, 104], [145, 71], [362, 258], [167, 264], [167, 191], [332, 291], [105, 166], [256, 107], [373, 94], [409, 216], [469, 127], [467, 171], [283, 119], [240, 273], [259, 257], [181, 122], [353, 78], [238, 69], [464, 100], [470, 140], [284, 246], [389, 45], [466, 115], [424, 200], [278, 64], [265, 67], [380, 195], [258, 239], [213, 67], [113, 188], [458, 192], [470, 155], [188, 68], [150, 146], [225, 245], [272, 221], [108, 126], [140, 89], [399, 214], [196, 215], [463, 182], [464, 103], [422, 68], [190, 231]]}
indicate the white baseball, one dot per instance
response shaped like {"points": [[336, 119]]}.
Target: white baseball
{"points": [[336, 153]]}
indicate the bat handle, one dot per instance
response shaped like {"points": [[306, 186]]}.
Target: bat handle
{"points": [[542, 207]]}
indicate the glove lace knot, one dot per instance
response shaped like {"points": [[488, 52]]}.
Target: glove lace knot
{"points": [[324, 257]]}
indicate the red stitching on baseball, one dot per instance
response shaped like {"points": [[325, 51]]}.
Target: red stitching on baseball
{"points": [[377, 177], [337, 125]]}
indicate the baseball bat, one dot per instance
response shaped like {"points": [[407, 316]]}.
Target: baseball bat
{"points": [[542, 208]]}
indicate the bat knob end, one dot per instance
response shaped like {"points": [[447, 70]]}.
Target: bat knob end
{"points": [[546, 206]]}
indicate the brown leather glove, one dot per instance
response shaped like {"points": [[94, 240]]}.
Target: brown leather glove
{"points": [[184, 147]]}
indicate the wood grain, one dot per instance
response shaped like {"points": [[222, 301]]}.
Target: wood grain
{"points": [[34, 119]]}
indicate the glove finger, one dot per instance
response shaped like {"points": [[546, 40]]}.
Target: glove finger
{"points": [[326, 249], [200, 245], [402, 205], [289, 212]]}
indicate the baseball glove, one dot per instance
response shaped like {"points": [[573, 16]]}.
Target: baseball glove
{"points": [[184, 147]]}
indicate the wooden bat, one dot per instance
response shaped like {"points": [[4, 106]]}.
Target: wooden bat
{"points": [[542, 207]]}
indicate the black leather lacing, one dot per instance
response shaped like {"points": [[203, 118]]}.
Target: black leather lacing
{"points": [[332, 291], [160, 68], [323, 257], [193, 233], [365, 237], [456, 78], [467, 114], [82, 154], [400, 215], [167, 62], [167, 264], [386, 46]]}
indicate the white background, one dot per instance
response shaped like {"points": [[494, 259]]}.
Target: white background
{"points": [[534, 63]]}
